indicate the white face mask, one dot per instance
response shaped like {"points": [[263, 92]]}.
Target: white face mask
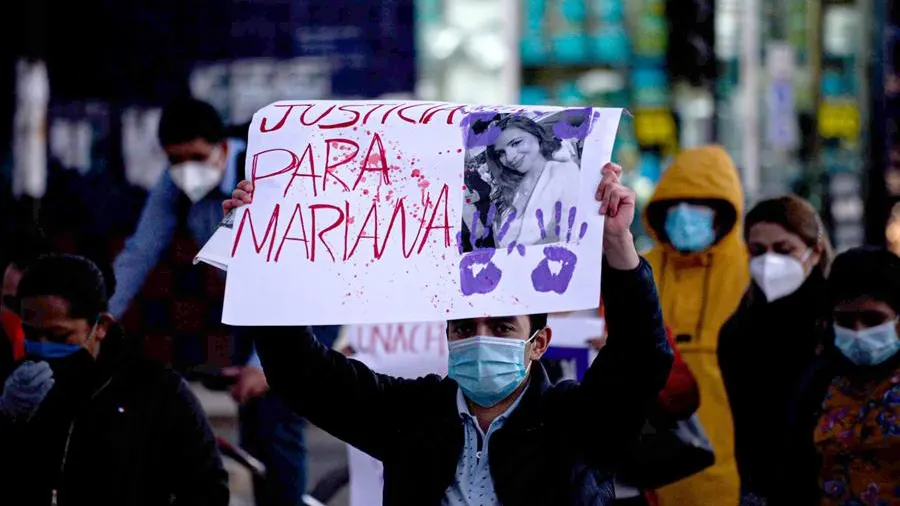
{"points": [[778, 275], [197, 179]]}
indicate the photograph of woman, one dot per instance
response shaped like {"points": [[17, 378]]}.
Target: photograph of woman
{"points": [[526, 168]]}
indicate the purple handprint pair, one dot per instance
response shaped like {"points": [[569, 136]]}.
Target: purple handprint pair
{"points": [[480, 275]]}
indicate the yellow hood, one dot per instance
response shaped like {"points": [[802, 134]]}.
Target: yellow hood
{"points": [[705, 173]]}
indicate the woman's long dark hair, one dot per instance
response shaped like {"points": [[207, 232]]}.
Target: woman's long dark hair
{"points": [[505, 180]]}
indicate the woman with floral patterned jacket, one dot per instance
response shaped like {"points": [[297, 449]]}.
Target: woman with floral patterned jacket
{"points": [[844, 446]]}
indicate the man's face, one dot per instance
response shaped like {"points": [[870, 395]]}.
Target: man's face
{"points": [[197, 150], [48, 318], [507, 327], [11, 277]]}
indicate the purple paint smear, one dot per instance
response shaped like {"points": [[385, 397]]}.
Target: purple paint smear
{"points": [[488, 136], [488, 278], [575, 124], [483, 282], [543, 278]]}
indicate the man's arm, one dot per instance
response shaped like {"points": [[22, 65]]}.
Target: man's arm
{"points": [[629, 372], [143, 249], [340, 395], [197, 474]]}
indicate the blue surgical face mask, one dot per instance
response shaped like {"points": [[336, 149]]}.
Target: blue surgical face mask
{"points": [[50, 350], [690, 228], [868, 347], [488, 369]]}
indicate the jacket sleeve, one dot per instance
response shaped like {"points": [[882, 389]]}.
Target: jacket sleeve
{"points": [[339, 395], [197, 473], [143, 249], [631, 369], [738, 372], [680, 398]]}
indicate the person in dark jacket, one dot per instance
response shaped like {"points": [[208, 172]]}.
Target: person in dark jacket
{"points": [[23, 242], [776, 332], [842, 447], [84, 420], [495, 431]]}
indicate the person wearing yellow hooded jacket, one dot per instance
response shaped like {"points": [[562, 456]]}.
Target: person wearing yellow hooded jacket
{"points": [[700, 264]]}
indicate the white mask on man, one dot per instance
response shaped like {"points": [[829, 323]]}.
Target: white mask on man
{"points": [[778, 275], [197, 179]]}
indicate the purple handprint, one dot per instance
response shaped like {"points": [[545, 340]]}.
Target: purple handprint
{"points": [[542, 277], [477, 271]]}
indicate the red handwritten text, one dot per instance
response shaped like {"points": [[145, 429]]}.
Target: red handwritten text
{"points": [[327, 117]]}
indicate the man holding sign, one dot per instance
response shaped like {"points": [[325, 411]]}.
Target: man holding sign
{"points": [[495, 431]]}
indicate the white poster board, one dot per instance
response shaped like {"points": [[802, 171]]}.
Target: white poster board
{"points": [[378, 212]]}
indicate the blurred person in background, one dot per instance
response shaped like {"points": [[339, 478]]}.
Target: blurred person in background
{"points": [[776, 333], [843, 448], [205, 165], [700, 265], [23, 242], [85, 419]]}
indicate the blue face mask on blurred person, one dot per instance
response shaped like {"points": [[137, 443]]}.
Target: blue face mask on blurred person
{"points": [[868, 347], [690, 228], [488, 369], [50, 350]]}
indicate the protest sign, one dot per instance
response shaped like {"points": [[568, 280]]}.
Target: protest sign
{"points": [[376, 212]]}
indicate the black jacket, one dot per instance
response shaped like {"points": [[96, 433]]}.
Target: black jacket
{"points": [[764, 350], [560, 447], [123, 431]]}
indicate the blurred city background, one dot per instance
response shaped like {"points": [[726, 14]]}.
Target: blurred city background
{"points": [[802, 93]]}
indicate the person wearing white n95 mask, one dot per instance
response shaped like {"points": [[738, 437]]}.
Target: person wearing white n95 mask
{"points": [[778, 274], [775, 334], [197, 178]]}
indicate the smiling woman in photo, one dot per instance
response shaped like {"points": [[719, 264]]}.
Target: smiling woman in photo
{"points": [[531, 170]]}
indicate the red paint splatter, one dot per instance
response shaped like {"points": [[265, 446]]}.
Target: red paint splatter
{"points": [[459, 150], [468, 201], [350, 220], [424, 184], [464, 188], [365, 192], [416, 173]]}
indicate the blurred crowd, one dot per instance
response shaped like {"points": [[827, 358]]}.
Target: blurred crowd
{"points": [[746, 363]]}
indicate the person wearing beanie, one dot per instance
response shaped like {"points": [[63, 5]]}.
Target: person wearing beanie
{"points": [[843, 448]]}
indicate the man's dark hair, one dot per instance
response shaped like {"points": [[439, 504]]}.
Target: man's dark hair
{"points": [[188, 119], [537, 321], [72, 278], [865, 271]]}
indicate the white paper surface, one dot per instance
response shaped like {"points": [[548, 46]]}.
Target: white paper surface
{"points": [[575, 331], [331, 176], [217, 250]]}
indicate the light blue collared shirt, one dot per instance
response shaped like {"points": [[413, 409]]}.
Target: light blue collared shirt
{"points": [[474, 485]]}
